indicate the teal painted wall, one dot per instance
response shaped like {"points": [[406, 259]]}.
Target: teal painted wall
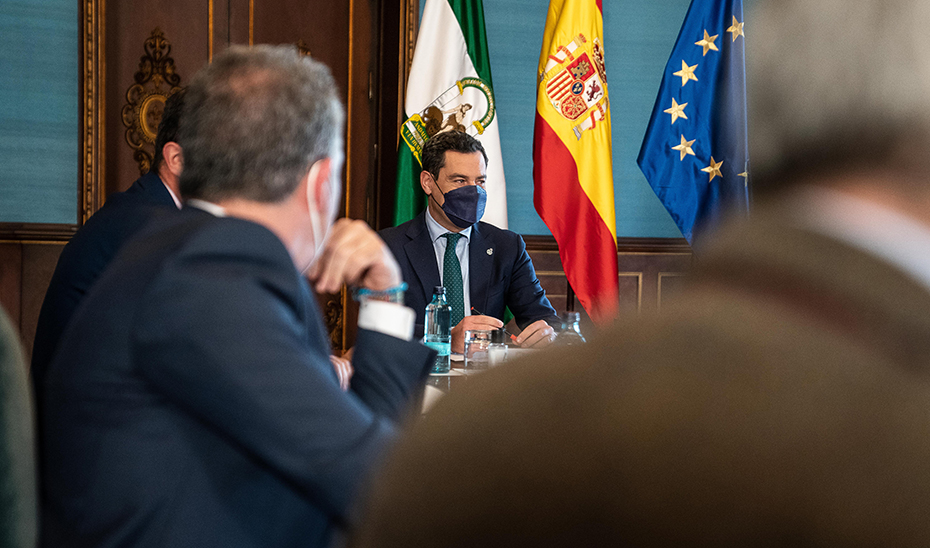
{"points": [[39, 136]]}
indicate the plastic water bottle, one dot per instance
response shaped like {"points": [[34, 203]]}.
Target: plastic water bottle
{"points": [[570, 333], [437, 331]]}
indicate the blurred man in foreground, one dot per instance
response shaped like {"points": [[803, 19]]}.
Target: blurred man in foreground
{"points": [[193, 402], [783, 400]]}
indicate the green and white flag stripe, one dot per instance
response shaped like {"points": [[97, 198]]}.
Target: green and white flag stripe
{"points": [[449, 87]]}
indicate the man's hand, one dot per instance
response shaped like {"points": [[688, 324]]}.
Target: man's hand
{"points": [[354, 254], [343, 367], [471, 323], [536, 335]]}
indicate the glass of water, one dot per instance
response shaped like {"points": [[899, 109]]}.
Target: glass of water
{"points": [[476, 349]]}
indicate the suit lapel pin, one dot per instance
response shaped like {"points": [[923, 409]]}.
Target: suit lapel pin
{"points": [[490, 251]]}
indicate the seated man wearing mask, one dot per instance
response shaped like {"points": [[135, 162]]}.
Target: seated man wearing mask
{"points": [[489, 269]]}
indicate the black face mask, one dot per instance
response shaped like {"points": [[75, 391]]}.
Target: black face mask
{"points": [[464, 206]]}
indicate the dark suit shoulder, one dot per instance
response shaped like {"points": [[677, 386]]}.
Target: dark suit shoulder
{"points": [[500, 235], [404, 231], [196, 240], [236, 237], [232, 251], [122, 216], [90, 251], [149, 188]]}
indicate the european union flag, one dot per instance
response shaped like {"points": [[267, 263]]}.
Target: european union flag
{"points": [[695, 153]]}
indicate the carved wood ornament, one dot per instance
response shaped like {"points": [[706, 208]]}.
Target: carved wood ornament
{"points": [[155, 81]]}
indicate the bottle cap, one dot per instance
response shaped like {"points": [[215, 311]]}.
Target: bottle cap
{"points": [[439, 290], [498, 336]]}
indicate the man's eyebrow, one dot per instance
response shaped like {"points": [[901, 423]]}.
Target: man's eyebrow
{"points": [[464, 176]]}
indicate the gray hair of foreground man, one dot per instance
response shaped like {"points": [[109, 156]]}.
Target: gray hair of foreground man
{"points": [[254, 122], [838, 85]]}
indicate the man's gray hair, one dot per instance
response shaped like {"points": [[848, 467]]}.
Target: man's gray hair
{"points": [[838, 85], [254, 121]]}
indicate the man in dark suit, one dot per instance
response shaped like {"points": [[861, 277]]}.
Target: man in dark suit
{"points": [[92, 248], [782, 400], [193, 402], [494, 271]]}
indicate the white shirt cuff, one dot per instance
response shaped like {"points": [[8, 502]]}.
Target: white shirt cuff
{"points": [[391, 319]]}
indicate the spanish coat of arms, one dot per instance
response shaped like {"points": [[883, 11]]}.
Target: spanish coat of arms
{"points": [[576, 83]]}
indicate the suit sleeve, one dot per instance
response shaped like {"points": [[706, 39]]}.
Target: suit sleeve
{"points": [[229, 345], [525, 297]]}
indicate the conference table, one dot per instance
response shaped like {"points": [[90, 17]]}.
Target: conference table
{"points": [[439, 384], [446, 381]]}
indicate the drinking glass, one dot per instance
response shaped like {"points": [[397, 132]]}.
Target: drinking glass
{"points": [[476, 349]]}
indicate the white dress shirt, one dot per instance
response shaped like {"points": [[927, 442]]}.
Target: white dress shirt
{"points": [[177, 201]]}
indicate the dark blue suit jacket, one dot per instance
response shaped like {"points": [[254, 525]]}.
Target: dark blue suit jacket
{"points": [[193, 402], [86, 257], [500, 270]]}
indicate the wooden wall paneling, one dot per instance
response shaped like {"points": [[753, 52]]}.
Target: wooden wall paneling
{"points": [[652, 260], [323, 26], [25, 271], [11, 275], [362, 129], [219, 32], [39, 262], [659, 271], [630, 285], [129, 23], [239, 19], [650, 270], [669, 284], [398, 35]]}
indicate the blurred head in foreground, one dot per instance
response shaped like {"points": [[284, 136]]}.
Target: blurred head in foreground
{"points": [[782, 400], [826, 101]]}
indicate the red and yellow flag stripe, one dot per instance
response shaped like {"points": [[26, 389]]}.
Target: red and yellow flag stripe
{"points": [[572, 167]]}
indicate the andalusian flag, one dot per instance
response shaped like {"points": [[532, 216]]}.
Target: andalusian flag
{"points": [[572, 168], [449, 89]]}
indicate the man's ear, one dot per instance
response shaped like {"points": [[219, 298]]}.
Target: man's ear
{"points": [[173, 158], [425, 178], [318, 183]]}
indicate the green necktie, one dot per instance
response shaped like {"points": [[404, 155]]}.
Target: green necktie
{"points": [[452, 278]]}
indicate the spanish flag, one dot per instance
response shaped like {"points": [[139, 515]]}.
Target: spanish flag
{"points": [[572, 168]]}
